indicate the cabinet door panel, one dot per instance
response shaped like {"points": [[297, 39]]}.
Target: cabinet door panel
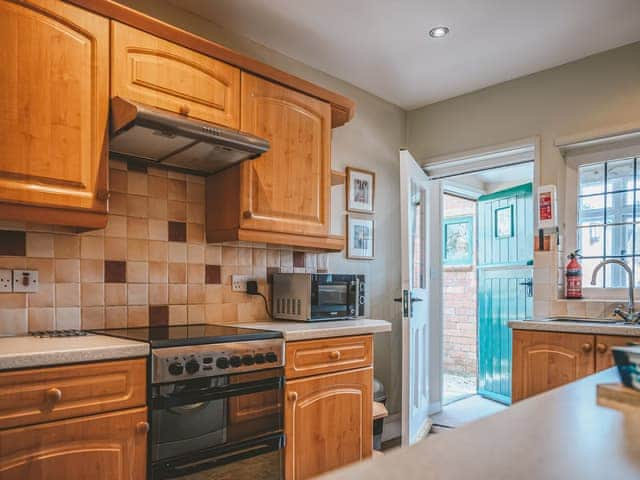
{"points": [[545, 360], [328, 422], [287, 188], [54, 99], [102, 447], [159, 73], [604, 358]]}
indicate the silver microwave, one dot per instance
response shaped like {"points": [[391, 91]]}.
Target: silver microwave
{"points": [[312, 297]]}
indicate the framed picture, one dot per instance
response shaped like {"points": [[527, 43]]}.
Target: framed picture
{"points": [[361, 185], [359, 237], [504, 222], [457, 241]]}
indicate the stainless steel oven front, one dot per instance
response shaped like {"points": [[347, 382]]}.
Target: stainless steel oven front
{"points": [[222, 426]]}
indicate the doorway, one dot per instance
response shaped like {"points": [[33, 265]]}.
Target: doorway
{"points": [[487, 252]]}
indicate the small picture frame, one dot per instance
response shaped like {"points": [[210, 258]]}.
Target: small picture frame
{"points": [[360, 237], [504, 222], [361, 186]]}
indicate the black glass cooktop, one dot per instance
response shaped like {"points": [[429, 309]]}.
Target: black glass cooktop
{"points": [[200, 334]]}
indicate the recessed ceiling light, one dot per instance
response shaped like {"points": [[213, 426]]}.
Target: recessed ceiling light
{"points": [[439, 32]]}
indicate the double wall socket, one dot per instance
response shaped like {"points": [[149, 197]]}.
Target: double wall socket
{"points": [[239, 282], [18, 280], [5, 281]]}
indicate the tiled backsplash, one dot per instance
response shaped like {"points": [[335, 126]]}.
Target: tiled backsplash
{"points": [[149, 266]]}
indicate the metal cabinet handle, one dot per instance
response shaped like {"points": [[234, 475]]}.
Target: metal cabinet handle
{"points": [[292, 396], [184, 110], [602, 348], [53, 395], [142, 427], [587, 347], [335, 355]]}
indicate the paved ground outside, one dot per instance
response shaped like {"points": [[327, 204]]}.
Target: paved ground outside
{"points": [[457, 387]]}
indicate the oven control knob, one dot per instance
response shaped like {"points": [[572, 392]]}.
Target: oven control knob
{"points": [[271, 357], [192, 366], [259, 358], [222, 363], [235, 361], [176, 368], [248, 360]]}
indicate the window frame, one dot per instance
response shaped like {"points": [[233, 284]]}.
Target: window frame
{"points": [[468, 260]]}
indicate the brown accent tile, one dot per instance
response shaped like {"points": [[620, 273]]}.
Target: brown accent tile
{"points": [[115, 248], [67, 270], [298, 259], [115, 317], [157, 187], [212, 274], [270, 272], [158, 315], [115, 271], [177, 190], [195, 233], [137, 316], [177, 231], [134, 166], [13, 243], [177, 211], [39, 244], [137, 206], [177, 273], [115, 294], [177, 314], [92, 317]]}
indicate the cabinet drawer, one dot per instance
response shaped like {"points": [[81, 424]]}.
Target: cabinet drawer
{"points": [[159, 73], [41, 395], [313, 357]]}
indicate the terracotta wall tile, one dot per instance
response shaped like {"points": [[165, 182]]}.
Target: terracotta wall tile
{"points": [[158, 230], [115, 317], [157, 187], [195, 233], [41, 319], [67, 318], [177, 252], [118, 203], [92, 318], [177, 273], [137, 316], [38, 244], [137, 183], [177, 314], [195, 254], [137, 272], [66, 246], [92, 294], [115, 248], [45, 267], [92, 248], [137, 249], [176, 211], [115, 293], [158, 294], [137, 294], [91, 270], [177, 294], [67, 270], [158, 251], [45, 297], [118, 180], [13, 321], [177, 190], [158, 209], [158, 272], [195, 314], [67, 294], [13, 243], [195, 273]]}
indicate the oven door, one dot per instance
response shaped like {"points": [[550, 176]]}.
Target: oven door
{"points": [[201, 426]]}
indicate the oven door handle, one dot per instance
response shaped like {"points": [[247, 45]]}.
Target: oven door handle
{"points": [[231, 390], [185, 466]]}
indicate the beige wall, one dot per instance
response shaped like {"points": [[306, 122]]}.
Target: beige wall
{"points": [[371, 141]]}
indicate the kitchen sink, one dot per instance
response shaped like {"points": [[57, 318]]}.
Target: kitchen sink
{"points": [[583, 319]]}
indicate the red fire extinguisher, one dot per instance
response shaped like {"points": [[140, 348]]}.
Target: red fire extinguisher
{"points": [[573, 276]]}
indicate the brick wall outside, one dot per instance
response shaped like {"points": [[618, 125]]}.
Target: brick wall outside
{"points": [[459, 310]]}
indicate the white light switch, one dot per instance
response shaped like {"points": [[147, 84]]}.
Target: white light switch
{"points": [[25, 280], [5, 280]]}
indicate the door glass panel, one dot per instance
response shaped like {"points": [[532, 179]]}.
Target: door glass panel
{"points": [[418, 232]]}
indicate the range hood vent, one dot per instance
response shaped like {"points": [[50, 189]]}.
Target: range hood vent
{"points": [[157, 136]]}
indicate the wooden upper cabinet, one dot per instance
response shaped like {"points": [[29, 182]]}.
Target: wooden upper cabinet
{"points": [[159, 73], [604, 357], [54, 101], [287, 189], [109, 446], [546, 360], [328, 422]]}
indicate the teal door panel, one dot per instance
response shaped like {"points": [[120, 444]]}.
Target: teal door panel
{"points": [[505, 253]]}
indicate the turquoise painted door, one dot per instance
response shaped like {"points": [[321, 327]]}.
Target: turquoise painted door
{"points": [[505, 292]]}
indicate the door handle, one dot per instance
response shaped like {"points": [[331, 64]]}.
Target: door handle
{"points": [[416, 300], [399, 299], [529, 284]]}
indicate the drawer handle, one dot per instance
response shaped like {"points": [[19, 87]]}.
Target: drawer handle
{"points": [[53, 395], [602, 348], [142, 427], [587, 347], [292, 396], [335, 355], [184, 110]]}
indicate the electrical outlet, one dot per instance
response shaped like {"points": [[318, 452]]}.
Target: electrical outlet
{"points": [[25, 281], [5, 281], [239, 282]]}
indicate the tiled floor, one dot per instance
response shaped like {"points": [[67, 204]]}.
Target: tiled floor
{"points": [[464, 411]]}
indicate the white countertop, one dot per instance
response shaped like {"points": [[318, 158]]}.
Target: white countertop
{"points": [[595, 327], [561, 434], [33, 352], [293, 331]]}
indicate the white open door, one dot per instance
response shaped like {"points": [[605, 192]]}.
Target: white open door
{"points": [[419, 237]]}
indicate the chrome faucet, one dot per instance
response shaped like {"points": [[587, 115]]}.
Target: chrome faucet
{"points": [[630, 316]]}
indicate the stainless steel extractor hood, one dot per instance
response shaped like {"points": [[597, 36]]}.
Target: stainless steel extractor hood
{"points": [[153, 135]]}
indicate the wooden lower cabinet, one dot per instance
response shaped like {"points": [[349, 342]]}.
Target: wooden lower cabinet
{"points": [[546, 360], [328, 422], [110, 446], [604, 358]]}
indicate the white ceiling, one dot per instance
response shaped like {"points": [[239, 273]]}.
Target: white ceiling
{"points": [[382, 45]]}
